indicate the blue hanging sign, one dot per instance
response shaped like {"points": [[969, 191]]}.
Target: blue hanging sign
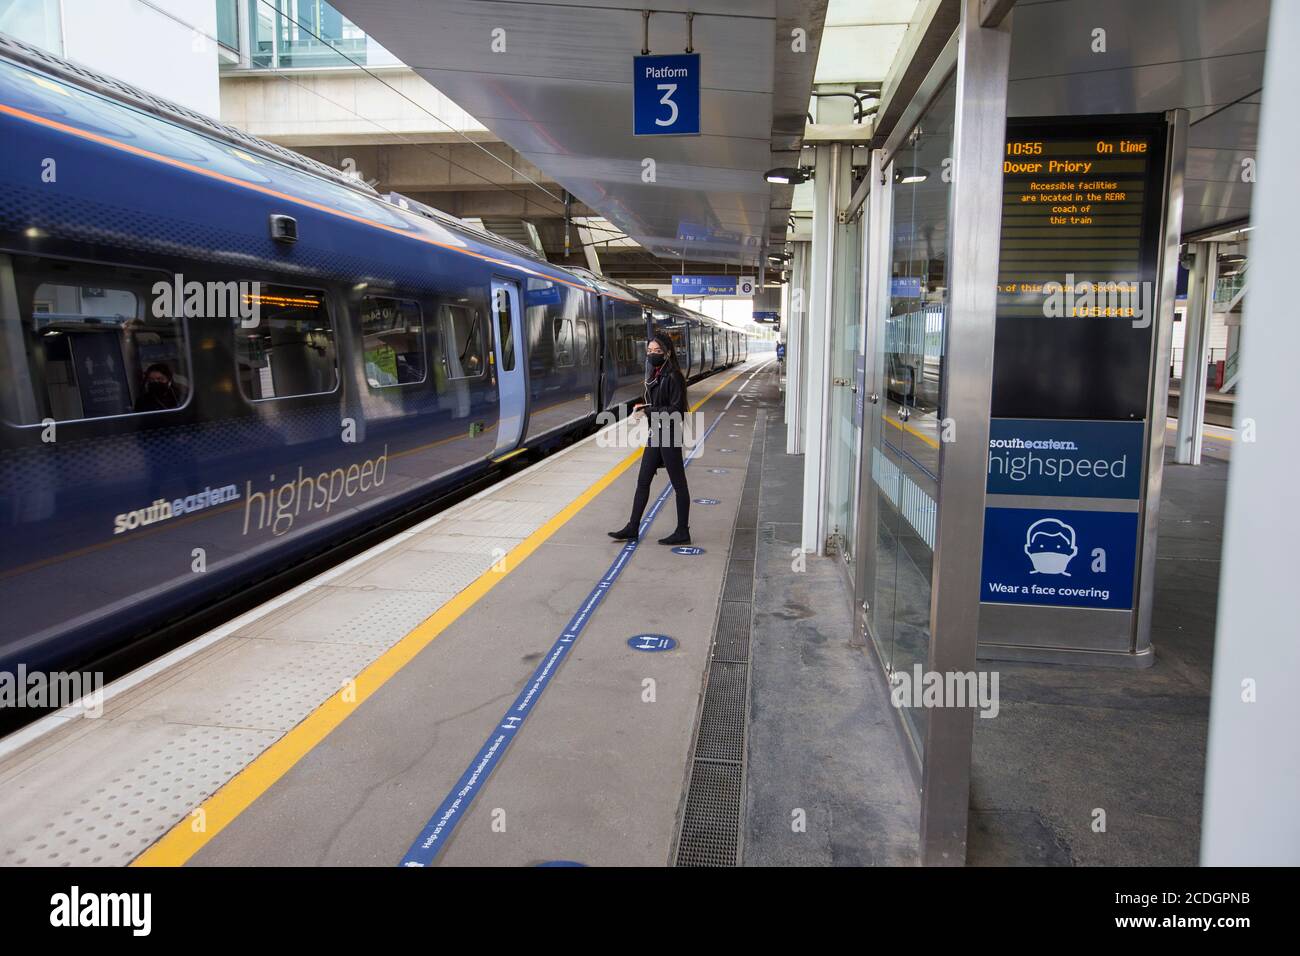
{"points": [[705, 285], [666, 95], [651, 642], [766, 316]]}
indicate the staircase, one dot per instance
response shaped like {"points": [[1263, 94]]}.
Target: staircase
{"points": [[519, 230]]}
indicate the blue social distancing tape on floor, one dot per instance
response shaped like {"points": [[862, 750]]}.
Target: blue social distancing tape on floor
{"points": [[437, 832]]}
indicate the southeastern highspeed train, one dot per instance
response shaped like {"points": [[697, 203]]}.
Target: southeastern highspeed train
{"points": [[222, 357]]}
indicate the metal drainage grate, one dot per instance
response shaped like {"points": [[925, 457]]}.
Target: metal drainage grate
{"points": [[731, 641], [710, 823], [711, 813]]}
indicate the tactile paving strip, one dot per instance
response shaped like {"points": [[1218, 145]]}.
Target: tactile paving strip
{"points": [[711, 813], [288, 690], [142, 803]]}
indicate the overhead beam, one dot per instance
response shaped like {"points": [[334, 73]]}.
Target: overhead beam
{"points": [[931, 27]]}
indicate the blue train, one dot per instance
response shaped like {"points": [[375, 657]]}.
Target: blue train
{"points": [[222, 357]]}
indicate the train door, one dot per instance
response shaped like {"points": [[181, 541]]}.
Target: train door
{"points": [[512, 385]]}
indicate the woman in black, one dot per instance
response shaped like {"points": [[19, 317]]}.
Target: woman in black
{"points": [[159, 392], [665, 404]]}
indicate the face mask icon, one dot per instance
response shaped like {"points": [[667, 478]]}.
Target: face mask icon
{"points": [[1050, 546]]}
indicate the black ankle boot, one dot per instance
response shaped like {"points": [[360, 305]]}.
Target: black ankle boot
{"points": [[625, 533], [680, 536]]}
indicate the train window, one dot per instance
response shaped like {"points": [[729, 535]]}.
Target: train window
{"points": [[584, 344], [290, 350], [463, 334], [631, 352], [505, 330], [562, 332], [98, 343], [393, 335], [679, 342]]}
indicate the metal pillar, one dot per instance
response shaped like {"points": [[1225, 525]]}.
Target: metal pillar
{"points": [[832, 178], [876, 272], [975, 222], [1253, 761], [796, 320], [1196, 335]]}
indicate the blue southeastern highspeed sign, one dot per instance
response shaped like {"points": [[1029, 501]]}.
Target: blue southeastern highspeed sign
{"points": [[666, 95]]}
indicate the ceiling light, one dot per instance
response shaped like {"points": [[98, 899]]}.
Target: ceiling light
{"points": [[910, 174], [788, 175]]}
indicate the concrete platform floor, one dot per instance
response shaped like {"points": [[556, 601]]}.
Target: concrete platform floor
{"points": [[822, 741], [1072, 741], [327, 727]]}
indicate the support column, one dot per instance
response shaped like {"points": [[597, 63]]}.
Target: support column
{"points": [[795, 318], [831, 174], [1196, 334], [1253, 761], [983, 57]]}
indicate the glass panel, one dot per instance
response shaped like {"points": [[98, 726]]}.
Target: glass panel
{"points": [[584, 344], [393, 335], [905, 465], [505, 330], [291, 349], [562, 330], [95, 344], [846, 322], [299, 33], [228, 23], [463, 334]]}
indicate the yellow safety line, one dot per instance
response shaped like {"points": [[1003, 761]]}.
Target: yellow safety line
{"points": [[216, 813], [1170, 427], [911, 431]]}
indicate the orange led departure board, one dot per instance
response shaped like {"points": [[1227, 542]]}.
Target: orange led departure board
{"points": [[1077, 290]]}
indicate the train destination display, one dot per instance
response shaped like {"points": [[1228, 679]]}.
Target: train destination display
{"points": [[1076, 282], [1076, 308]]}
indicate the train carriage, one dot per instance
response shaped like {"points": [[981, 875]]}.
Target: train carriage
{"points": [[223, 357]]}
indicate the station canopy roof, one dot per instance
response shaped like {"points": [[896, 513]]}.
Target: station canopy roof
{"points": [[561, 94]]}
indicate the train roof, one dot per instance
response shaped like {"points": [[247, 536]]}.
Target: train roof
{"points": [[66, 96]]}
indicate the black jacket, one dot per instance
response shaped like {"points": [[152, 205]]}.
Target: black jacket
{"points": [[665, 408], [666, 392]]}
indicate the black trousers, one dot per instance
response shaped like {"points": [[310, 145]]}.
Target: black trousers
{"points": [[670, 458]]}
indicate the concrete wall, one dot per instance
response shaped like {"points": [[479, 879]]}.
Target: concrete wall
{"points": [[343, 106], [167, 55]]}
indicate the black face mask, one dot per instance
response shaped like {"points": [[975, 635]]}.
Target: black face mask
{"points": [[657, 360]]}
